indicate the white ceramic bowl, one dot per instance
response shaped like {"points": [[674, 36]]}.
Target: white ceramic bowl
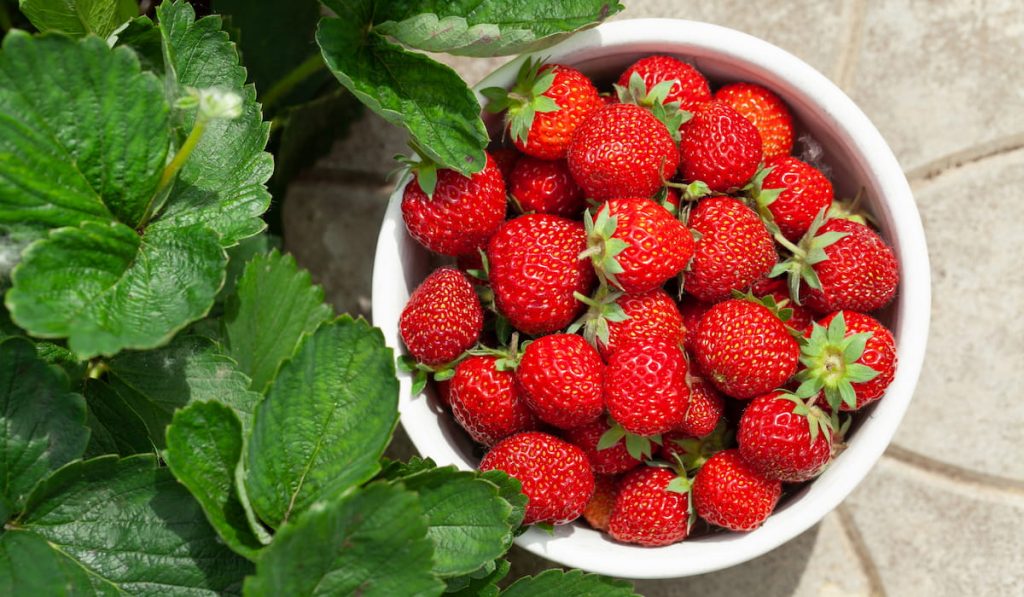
{"points": [[858, 157]]}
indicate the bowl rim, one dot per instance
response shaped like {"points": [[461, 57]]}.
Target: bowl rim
{"points": [[913, 304]]}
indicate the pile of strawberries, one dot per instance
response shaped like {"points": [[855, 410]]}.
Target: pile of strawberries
{"points": [[658, 314]]}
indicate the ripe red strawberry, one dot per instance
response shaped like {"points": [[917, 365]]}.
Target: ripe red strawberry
{"points": [[619, 319], [652, 508], [546, 105], [645, 386], [730, 493], [442, 319], [443, 389], [851, 357], [622, 150], [691, 310], [454, 215], [690, 88], [555, 475], [535, 269], [734, 249], [636, 244], [799, 317], [719, 147], [506, 158], [562, 378], [792, 192], [488, 403], [599, 508], [706, 405], [765, 111], [744, 349], [785, 438], [845, 265], [546, 187], [607, 461]]}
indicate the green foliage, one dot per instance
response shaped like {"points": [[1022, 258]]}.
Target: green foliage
{"points": [[575, 583], [79, 17], [325, 422]]}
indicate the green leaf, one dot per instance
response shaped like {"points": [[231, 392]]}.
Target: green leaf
{"points": [[858, 373], [273, 38], [204, 445], [83, 132], [575, 583], [482, 583], [274, 307], [190, 369], [487, 27], [79, 17], [143, 36], [240, 255], [133, 528], [325, 421], [116, 428], [409, 90], [30, 566], [511, 490], [371, 543], [468, 519], [105, 288], [222, 184], [42, 424]]}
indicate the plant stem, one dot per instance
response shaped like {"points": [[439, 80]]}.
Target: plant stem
{"points": [[172, 169], [278, 91]]}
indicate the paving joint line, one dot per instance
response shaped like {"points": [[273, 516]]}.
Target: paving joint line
{"points": [[860, 549], [979, 153], [955, 473], [848, 54]]}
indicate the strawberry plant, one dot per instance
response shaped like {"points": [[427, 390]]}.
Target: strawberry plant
{"points": [[180, 411]]}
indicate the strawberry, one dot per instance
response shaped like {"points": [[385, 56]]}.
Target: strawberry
{"points": [[706, 405], [616, 319], [691, 311], [851, 357], [544, 108], [719, 147], [689, 87], [844, 264], [506, 158], [645, 386], [443, 389], [652, 508], [605, 460], [730, 493], [744, 349], [799, 317], [622, 150], [733, 250], [535, 269], [636, 244], [562, 378], [487, 402], [451, 214], [555, 475], [765, 111], [442, 319], [599, 508], [785, 437], [547, 187], [789, 193]]}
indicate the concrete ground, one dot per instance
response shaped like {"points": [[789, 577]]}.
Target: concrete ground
{"points": [[943, 511]]}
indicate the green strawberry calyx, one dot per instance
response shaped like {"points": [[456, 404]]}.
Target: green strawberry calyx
{"points": [[818, 421], [759, 198], [421, 167], [830, 357], [421, 373], [508, 356], [602, 246], [638, 446], [804, 255], [653, 100], [525, 100], [849, 209], [693, 452], [602, 308], [779, 308], [683, 484]]}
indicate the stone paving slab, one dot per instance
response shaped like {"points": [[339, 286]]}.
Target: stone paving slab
{"points": [[972, 379]]}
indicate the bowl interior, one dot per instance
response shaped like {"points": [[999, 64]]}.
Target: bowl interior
{"points": [[856, 159]]}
